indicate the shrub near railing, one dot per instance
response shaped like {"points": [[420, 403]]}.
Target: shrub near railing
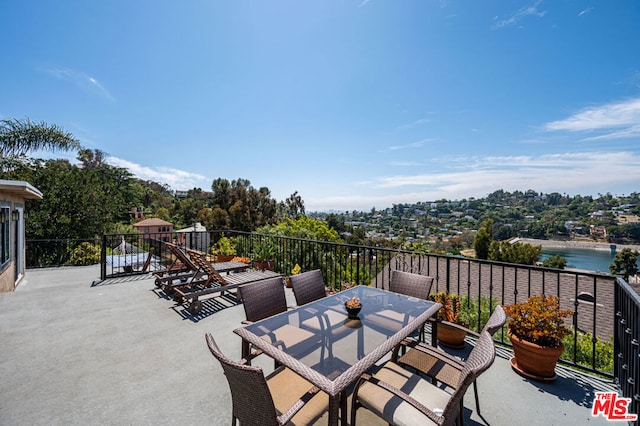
{"points": [[579, 349]]}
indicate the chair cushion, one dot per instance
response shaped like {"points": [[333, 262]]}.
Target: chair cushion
{"points": [[392, 408], [434, 363], [287, 387]]}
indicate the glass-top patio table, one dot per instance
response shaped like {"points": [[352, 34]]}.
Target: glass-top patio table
{"points": [[335, 349]]}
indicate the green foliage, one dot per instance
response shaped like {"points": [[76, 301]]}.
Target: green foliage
{"points": [[18, 137], [538, 320], [85, 254], [584, 351], [77, 202], [483, 239], [473, 316], [524, 254], [356, 274], [226, 246], [625, 263], [303, 227], [555, 261], [264, 250]]}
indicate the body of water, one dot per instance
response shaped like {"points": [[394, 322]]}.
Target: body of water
{"points": [[592, 260]]}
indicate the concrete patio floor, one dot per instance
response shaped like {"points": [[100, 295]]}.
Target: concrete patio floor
{"points": [[74, 353]]}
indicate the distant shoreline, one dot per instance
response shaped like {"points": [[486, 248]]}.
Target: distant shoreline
{"points": [[586, 245]]}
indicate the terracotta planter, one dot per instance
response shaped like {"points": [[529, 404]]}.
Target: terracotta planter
{"points": [[264, 265], [224, 257], [534, 361], [288, 281], [451, 337]]}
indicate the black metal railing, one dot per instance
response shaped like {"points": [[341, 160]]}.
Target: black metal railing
{"points": [[626, 343], [601, 303], [43, 253]]}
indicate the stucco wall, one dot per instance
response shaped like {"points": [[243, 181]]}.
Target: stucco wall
{"points": [[7, 277]]}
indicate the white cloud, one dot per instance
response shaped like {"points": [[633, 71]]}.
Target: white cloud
{"points": [[585, 11], [175, 178], [417, 144], [83, 81], [618, 120], [519, 15], [586, 173], [415, 123]]}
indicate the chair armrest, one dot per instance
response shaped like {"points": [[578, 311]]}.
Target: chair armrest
{"points": [[285, 417]]}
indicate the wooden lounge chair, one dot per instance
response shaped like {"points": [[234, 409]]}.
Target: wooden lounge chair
{"points": [[214, 282], [196, 274], [181, 269]]}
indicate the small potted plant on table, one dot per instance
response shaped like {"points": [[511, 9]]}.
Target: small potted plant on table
{"points": [[536, 329]]}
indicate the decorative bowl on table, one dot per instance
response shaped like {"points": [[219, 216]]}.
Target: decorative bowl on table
{"points": [[353, 307]]}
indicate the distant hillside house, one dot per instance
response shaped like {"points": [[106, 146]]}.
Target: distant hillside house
{"points": [[12, 233], [155, 229], [138, 213]]}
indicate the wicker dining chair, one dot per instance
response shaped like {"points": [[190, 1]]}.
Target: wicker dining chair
{"points": [[264, 299], [281, 398], [412, 285], [441, 366], [308, 286], [401, 397]]}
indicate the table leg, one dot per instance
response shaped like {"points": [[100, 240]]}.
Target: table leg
{"points": [[246, 347], [334, 408], [434, 333]]}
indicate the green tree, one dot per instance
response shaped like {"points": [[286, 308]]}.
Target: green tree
{"points": [[625, 263], [18, 137], [295, 205], [78, 202], [555, 261], [524, 254], [483, 239]]}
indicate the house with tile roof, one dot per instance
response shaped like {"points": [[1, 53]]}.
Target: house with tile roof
{"points": [[155, 229]]}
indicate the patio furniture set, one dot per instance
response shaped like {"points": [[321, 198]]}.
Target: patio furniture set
{"points": [[323, 354]]}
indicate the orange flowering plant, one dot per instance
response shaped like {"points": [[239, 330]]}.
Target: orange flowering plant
{"points": [[354, 302], [538, 320]]}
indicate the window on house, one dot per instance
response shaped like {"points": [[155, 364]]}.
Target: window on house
{"points": [[5, 250]]}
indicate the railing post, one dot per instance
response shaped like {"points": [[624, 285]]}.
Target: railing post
{"points": [[448, 280], [103, 258]]}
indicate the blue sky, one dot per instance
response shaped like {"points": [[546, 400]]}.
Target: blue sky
{"points": [[354, 103]]}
